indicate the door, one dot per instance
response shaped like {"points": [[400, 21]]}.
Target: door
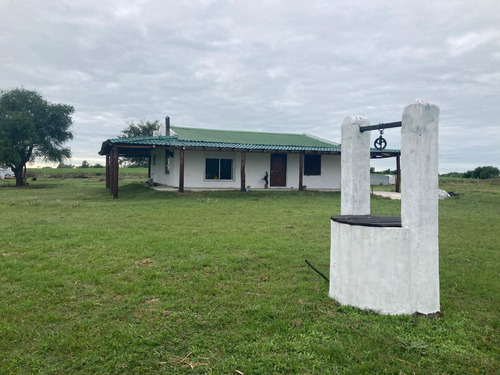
{"points": [[278, 170]]}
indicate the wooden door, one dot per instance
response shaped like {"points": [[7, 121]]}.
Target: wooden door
{"points": [[278, 170]]}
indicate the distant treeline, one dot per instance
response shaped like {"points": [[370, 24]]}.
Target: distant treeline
{"points": [[386, 171], [483, 173], [85, 164]]}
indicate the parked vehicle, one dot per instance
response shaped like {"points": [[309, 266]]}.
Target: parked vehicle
{"points": [[6, 173]]}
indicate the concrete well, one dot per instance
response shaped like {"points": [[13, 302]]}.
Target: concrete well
{"points": [[389, 264]]}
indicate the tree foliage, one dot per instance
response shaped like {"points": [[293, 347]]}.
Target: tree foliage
{"points": [[63, 165], [140, 129], [31, 127], [483, 173], [452, 174]]}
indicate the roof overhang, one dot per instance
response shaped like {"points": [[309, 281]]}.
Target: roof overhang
{"points": [[376, 154], [127, 147]]}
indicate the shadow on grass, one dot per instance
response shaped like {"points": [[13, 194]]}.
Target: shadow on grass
{"points": [[28, 187]]}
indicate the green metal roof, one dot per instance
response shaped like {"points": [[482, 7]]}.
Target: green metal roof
{"points": [[228, 139], [248, 137], [196, 138]]}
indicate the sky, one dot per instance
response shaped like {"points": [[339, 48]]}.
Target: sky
{"points": [[262, 65]]}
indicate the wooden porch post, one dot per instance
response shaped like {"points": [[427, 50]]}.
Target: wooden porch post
{"points": [[114, 173], [301, 171], [398, 174], [149, 165], [181, 171], [243, 176], [111, 174], [108, 172]]}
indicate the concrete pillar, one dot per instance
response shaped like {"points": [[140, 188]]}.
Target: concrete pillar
{"points": [[419, 201], [355, 167]]}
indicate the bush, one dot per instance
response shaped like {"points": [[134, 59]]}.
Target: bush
{"points": [[452, 174], [62, 165], [483, 173]]}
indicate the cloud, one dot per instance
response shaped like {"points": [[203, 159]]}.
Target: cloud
{"points": [[470, 41], [271, 65]]}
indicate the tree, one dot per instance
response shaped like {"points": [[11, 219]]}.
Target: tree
{"points": [[31, 127], [483, 173], [62, 165], [140, 129], [85, 164], [452, 174], [389, 171], [489, 172]]}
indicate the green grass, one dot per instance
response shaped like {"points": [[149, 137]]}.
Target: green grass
{"points": [[216, 282], [60, 173]]}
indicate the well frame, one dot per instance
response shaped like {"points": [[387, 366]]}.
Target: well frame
{"points": [[389, 269]]}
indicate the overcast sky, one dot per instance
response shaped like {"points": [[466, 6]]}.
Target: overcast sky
{"points": [[269, 65]]}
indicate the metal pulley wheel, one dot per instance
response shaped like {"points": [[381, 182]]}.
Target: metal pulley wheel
{"points": [[380, 143]]}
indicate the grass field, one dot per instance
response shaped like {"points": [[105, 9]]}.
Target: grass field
{"points": [[215, 282]]}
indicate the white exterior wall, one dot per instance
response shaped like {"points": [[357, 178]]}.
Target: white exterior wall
{"points": [[256, 166], [194, 170], [330, 174], [157, 162], [158, 168]]}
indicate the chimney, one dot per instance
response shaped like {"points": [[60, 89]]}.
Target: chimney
{"points": [[167, 125]]}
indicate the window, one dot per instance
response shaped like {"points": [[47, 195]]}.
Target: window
{"points": [[312, 165], [168, 155], [218, 169]]}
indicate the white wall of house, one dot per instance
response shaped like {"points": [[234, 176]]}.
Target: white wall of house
{"points": [[330, 174], [256, 166], [158, 174]]}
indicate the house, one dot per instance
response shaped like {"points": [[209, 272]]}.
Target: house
{"points": [[195, 158]]}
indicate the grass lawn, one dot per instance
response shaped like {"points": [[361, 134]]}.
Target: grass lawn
{"points": [[215, 282]]}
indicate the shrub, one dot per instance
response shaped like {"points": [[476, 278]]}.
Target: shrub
{"points": [[483, 173]]}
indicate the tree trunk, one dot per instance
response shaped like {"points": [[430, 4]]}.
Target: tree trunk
{"points": [[18, 172]]}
